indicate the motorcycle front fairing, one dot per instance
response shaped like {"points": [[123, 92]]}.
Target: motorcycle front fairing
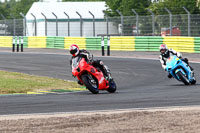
{"points": [[75, 64], [174, 65], [102, 82], [186, 70], [83, 67]]}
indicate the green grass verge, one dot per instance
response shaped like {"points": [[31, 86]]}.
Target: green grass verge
{"points": [[13, 82]]}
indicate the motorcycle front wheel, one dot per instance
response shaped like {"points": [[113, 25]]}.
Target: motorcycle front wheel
{"points": [[112, 87], [90, 84], [193, 82], [183, 78]]}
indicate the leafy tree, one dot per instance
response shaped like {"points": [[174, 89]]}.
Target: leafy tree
{"points": [[2, 9], [11, 9], [125, 6], [80, 0], [175, 6], [22, 6]]}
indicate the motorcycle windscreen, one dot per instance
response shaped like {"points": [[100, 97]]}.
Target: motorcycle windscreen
{"points": [[75, 62], [171, 61]]}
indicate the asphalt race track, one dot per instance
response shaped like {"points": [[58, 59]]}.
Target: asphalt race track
{"points": [[141, 84]]}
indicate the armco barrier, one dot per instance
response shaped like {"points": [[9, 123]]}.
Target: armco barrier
{"points": [[119, 43], [197, 44], [55, 42], [154, 43], [141, 43], [6, 41], [122, 43], [80, 41], [94, 43], [37, 42], [182, 44]]}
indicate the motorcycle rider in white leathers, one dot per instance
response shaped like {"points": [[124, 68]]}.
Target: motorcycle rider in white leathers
{"points": [[165, 53]]}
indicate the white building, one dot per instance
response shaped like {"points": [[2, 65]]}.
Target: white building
{"points": [[70, 8]]}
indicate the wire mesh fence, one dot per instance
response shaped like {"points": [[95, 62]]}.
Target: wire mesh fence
{"points": [[159, 25], [11, 27]]}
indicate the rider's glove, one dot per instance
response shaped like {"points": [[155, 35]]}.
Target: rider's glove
{"points": [[90, 61], [179, 55], [164, 67]]}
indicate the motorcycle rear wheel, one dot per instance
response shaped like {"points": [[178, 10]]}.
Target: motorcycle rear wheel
{"points": [[87, 81], [183, 78]]}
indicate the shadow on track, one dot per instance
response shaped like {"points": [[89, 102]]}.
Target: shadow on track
{"points": [[184, 85]]}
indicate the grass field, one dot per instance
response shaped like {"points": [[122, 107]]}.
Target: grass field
{"points": [[13, 82]]}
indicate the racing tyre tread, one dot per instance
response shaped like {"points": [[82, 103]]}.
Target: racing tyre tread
{"points": [[183, 78], [193, 82], [112, 87], [85, 79]]}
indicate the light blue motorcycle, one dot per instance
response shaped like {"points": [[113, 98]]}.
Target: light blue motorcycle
{"points": [[180, 70]]}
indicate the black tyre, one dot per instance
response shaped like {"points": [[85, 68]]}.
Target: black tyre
{"points": [[92, 86], [194, 79], [183, 78], [112, 87], [193, 82]]}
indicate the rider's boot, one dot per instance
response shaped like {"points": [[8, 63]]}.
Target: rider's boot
{"points": [[191, 67], [79, 82], [192, 72], [107, 73], [186, 61]]}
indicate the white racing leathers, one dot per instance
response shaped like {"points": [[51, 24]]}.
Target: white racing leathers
{"points": [[163, 58]]}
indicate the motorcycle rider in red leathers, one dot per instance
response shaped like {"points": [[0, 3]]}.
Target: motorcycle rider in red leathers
{"points": [[74, 51], [165, 53]]}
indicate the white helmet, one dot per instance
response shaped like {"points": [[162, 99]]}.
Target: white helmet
{"points": [[74, 50]]}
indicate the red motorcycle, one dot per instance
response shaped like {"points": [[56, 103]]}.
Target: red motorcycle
{"points": [[91, 77]]}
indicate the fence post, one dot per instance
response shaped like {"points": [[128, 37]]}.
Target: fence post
{"points": [[13, 47], [107, 26], [93, 23], [122, 21], [35, 24], [45, 24], [108, 45], [189, 21], [170, 20], [153, 21], [81, 24], [56, 23], [14, 25], [102, 45], [137, 19], [24, 23], [68, 23]]}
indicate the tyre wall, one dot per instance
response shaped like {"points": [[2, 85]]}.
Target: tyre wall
{"points": [[117, 43]]}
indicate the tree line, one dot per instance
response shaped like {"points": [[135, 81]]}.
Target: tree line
{"points": [[11, 9]]}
